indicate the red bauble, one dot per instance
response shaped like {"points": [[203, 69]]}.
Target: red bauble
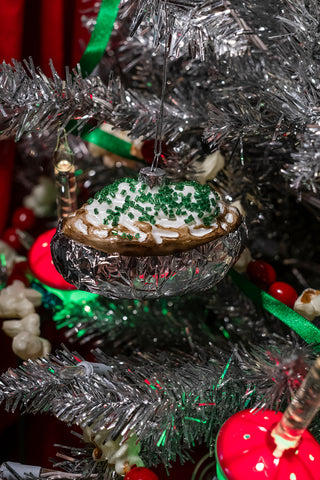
{"points": [[147, 151], [283, 292], [19, 272], [245, 450], [11, 237], [261, 273], [41, 264], [23, 218], [141, 473]]}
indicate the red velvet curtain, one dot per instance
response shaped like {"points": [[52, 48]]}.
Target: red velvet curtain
{"points": [[11, 34], [43, 30]]}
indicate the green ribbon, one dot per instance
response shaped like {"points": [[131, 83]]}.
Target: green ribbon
{"points": [[109, 142], [66, 296], [90, 59], [100, 36], [220, 474], [71, 296], [292, 319]]}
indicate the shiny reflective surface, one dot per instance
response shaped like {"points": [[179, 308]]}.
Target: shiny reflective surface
{"points": [[120, 276]]}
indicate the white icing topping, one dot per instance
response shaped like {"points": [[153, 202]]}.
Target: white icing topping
{"points": [[101, 233], [96, 214], [224, 226], [81, 226], [200, 232], [158, 234], [229, 218], [221, 207]]}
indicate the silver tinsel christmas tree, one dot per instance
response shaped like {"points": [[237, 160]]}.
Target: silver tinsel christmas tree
{"points": [[241, 77]]}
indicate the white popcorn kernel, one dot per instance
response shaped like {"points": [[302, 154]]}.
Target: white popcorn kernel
{"points": [[30, 323], [308, 304], [210, 167]]}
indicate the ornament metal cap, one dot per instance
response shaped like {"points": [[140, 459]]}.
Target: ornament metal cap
{"points": [[152, 177]]}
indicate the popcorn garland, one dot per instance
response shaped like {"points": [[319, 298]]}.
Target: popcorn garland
{"points": [[17, 301], [42, 198], [308, 304]]}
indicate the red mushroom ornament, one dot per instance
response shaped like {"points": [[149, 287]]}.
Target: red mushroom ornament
{"points": [[271, 446]]}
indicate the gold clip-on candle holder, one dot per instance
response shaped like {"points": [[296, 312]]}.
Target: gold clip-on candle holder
{"points": [[64, 171]]}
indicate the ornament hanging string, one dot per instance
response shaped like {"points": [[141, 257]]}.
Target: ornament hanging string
{"points": [[307, 331], [88, 62], [90, 59], [158, 139]]}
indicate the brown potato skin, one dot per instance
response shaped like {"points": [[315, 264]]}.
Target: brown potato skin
{"points": [[116, 244]]}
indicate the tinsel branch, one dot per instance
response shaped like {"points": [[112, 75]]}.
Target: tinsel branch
{"points": [[160, 404], [32, 101], [195, 27], [29, 100], [169, 400], [288, 71], [270, 94]]}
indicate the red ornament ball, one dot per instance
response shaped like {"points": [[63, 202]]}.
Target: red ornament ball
{"points": [[11, 237], [141, 473], [41, 264], [283, 292], [19, 272], [261, 273], [147, 151], [23, 218]]}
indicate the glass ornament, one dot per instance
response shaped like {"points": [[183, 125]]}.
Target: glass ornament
{"points": [[41, 264]]}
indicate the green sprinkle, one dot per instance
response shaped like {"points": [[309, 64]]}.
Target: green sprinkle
{"points": [[137, 235], [170, 198], [129, 236], [114, 232], [189, 219], [90, 201], [124, 235], [96, 211]]}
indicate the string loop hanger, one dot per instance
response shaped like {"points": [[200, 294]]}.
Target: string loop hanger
{"points": [[159, 119]]}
